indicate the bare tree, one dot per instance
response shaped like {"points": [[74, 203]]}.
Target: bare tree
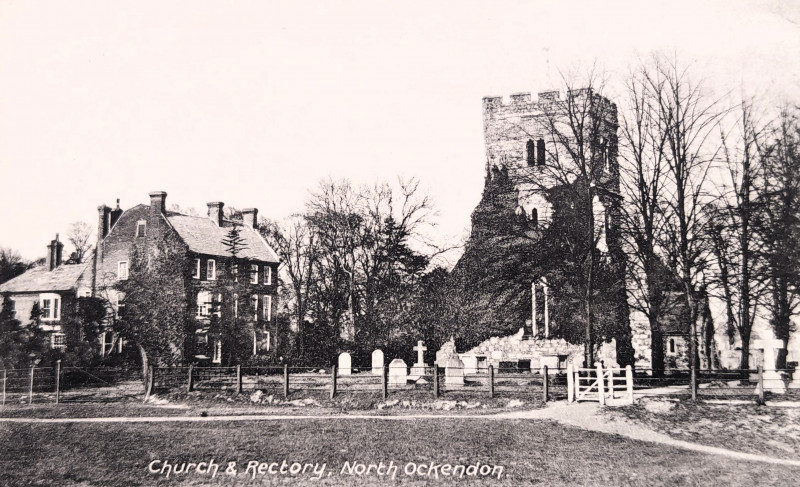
{"points": [[80, 234], [686, 119], [11, 264]]}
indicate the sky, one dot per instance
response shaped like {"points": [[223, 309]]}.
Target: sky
{"points": [[253, 103]]}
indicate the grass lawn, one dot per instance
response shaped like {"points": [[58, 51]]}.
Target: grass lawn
{"points": [[766, 430], [530, 452]]}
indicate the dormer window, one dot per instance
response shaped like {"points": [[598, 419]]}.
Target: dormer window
{"points": [[141, 228], [211, 269]]}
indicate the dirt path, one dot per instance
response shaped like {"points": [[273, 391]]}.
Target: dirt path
{"points": [[581, 415]]}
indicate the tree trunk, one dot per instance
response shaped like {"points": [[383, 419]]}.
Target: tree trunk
{"points": [[744, 362], [145, 363], [656, 348]]}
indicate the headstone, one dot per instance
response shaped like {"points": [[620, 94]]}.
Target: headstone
{"points": [[345, 364], [419, 367], [447, 352], [773, 380], [377, 362], [454, 372], [470, 364], [398, 372]]}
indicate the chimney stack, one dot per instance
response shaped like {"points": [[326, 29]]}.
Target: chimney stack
{"points": [[103, 223], [54, 252], [215, 212], [158, 202], [250, 217], [115, 214]]}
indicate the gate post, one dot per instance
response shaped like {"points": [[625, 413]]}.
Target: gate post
{"points": [[629, 382], [58, 380], [285, 381], [601, 393], [491, 381], [190, 384], [238, 379], [545, 384], [5, 379], [385, 381], [30, 390], [693, 383], [570, 384], [333, 381], [761, 399], [436, 380]]}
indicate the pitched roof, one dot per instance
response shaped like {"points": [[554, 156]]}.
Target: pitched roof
{"points": [[203, 236], [38, 279]]}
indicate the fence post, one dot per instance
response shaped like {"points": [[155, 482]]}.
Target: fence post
{"points": [[58, 380], [285, 381], [238, 379], [149, 381], [333, 381], [601, 393], [436, 379], [693, 383], [629, 382], [30, 391], [570, 384], [190, 385], [385, 381], [761, 400], [545, 384], [491, 381], [5, 379]]}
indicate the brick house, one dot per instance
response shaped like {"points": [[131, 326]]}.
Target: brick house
{"points": [[55, 287], [201, 238]]}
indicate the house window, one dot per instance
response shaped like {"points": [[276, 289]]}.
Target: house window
{"points": [[267, 275], [254, 301], [196, 271], [540, 156], [217, 306], [267, 312], [254, 273], [141, 228], [203, 304], [217, 359], [50, 306], [267, 340], [122, 270], [58, 341], [120, 305], [211, 270], [671, 345], [530, 149], [235, 272]]}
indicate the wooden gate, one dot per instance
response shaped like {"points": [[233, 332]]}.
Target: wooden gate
{"points": [[598, 384]]}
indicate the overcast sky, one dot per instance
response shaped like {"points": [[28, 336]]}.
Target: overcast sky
{"points": [[252, 103]]}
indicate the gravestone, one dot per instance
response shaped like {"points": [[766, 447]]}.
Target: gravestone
{"points": [[345, 364], [773, 380], [398, 372], [470, 364], [447, 352], [419, 367], [454, 372], [377, 362]]}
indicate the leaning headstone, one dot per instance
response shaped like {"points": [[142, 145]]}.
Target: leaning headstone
{"points": [[470, 364], [398, 372], [454, 372], [345, 364], [377, 362]]}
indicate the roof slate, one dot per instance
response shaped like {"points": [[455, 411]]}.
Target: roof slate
{"points": [[203, 236], [38, 279]]}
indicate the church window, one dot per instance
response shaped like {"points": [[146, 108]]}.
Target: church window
{"points": [[530, 149], [540, 156], [534, 217]]}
